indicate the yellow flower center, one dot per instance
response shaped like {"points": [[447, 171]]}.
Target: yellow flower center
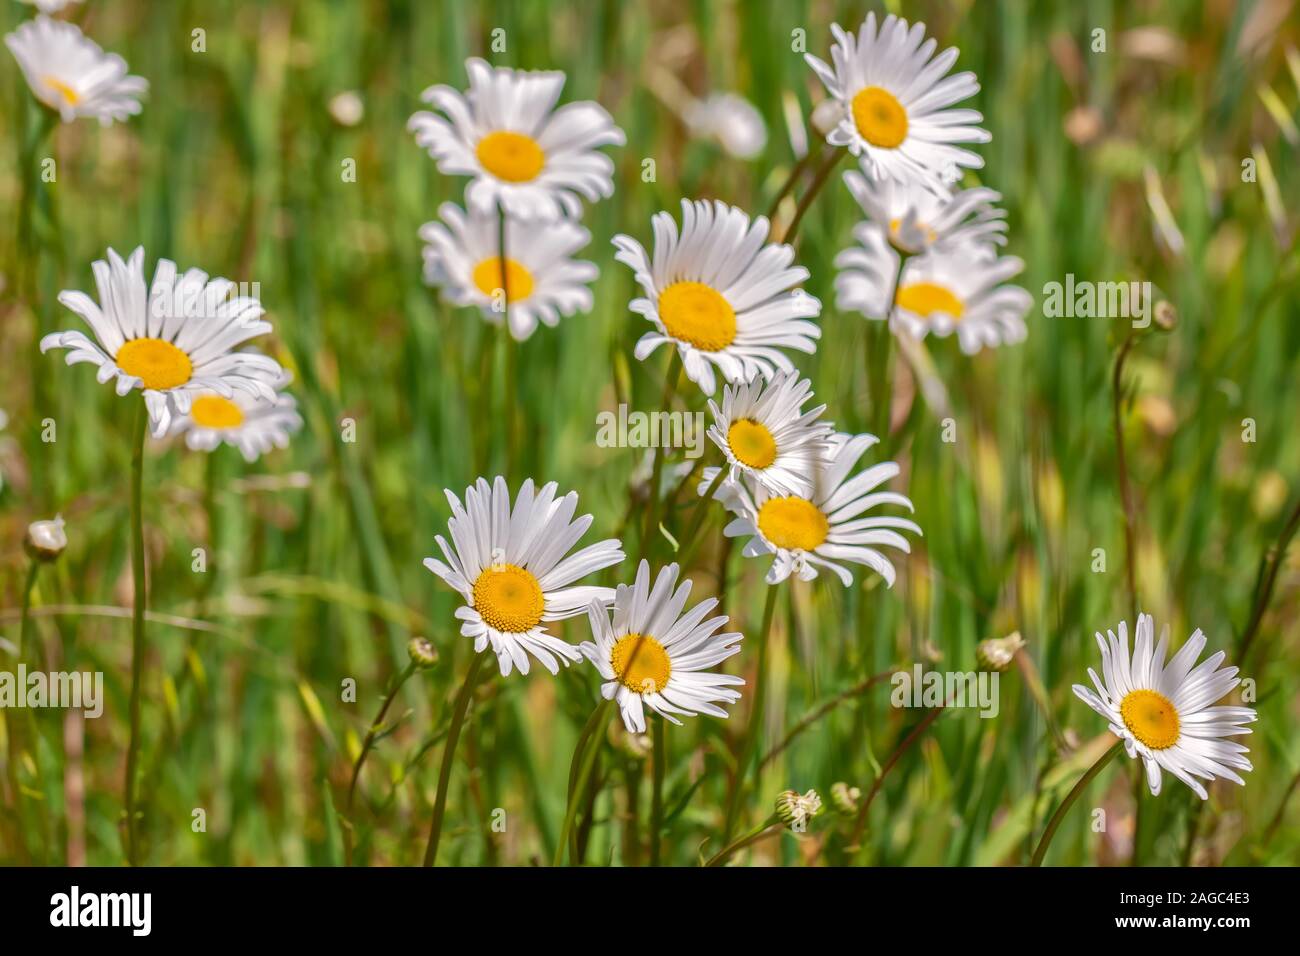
{"points": [[697, 314], [641, 664], [1151, 716], [751, 443], [925, 298], [514, 157], [795, 524], [881, 119], [508, 598], [213, 411], [70, 96], [519, 281], [158, 364]]}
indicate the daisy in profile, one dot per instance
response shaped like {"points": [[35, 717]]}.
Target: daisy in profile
{"points": [[721, 294], [916, 219], [1165, 712], [512, 566], [72, 75], [175, 341], [254, 425], [652, 655], [952, 289], [542, 279], [897, 101], [763, 430], [506, 133], [829, 527]]}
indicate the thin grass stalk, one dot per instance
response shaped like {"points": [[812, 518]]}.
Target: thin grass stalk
{"points": [[1054, 824], [137, 626], [448, 754], [366, 746], [755, 717]]}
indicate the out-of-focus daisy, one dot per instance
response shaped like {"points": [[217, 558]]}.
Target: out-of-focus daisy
{"points": [[72, 75], [49, 6], [511, 567], [1165, 712], [896, 101], [175, 341], [951, 289], [252, 424], [826, 528], [542, 278], [731, 120], [916, 219], [765, 434], [536, 160], [652, 655], [721, 294]]}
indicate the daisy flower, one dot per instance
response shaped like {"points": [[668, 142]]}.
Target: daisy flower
{"points": [[72, 75], [652, 655], [826, 528], [896, 100], [916, 219], [511, 567], [49, 6], [542, 278], [720, 294], [535, 160], [950, 289], [252, 424], [1164, 712], [174, 341], [765, 433]]}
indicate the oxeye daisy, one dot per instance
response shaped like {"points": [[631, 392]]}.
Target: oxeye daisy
{"points": [[542, 279], [1165, 712], [765, 433], [652, 655], [916, 219], [252, 424], [511, 567], [174, 340], [721, 294], [826, 528], [72, 75], [951, 289], [896, 100], [524, 154]]}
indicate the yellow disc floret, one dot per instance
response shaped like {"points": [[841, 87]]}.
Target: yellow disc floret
{"points": [[157, 363], [513, 157], [697, 314], [880, 118], [641, 664], [1151, 717], [508, 598], [793, 523]]}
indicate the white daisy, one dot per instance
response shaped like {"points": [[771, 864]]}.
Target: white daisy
{"points": [[896, 117], [731, 120], [537, 161], [805, 532], [1164, 711], [543, 280], [765, 434], [916, 219], [951, 289], [251, 424], [175, 341], [721, 294], [71, 74], [654, 656], [510, 566], [49, 6]]}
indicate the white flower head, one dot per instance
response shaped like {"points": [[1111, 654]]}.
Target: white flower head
{"points": [[896, 99], [72, 75], [253, 424], [49, 6], [731, 120], [542, 279], [720, 294], [510, 565], [1165, 712], [175, 340], [916, 219], [652, 655], [537, 161]]}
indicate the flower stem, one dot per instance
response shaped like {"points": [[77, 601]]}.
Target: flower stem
{"points": [[860, 825], [584, 758], [1068, 802], [699, 521], [652, 503], [1121, 468], [448, 754], [823, 173], [25, 622], [795, 172], [137, 625], [511, 358], [755, 716], [752, 836], [657, 794], [366, 745]]}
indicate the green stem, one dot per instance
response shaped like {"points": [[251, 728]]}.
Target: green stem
{"points": [[652, 503], [823, 173], [511, 357], [755, 716], [367, 744], [137, 625], [25, 622], [448, 753], [860, 826], [699, 521], [584, 758], [657, 794], [1068, 802], [795, 172], [752, 836]]}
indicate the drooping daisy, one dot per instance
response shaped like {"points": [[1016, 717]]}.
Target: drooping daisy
{"points": [[175, 341], [511, 567], [543, 280], [652, 655], [1165, 712], [721, 294], [896, 100], [916, 219], [536, 160], [765, 434], [951, 289], [72, 75], [251, 424], [826, 528]]}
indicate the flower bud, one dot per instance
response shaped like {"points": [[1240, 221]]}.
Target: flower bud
{"points": [[795, 811], [996, 653], [423, 654], [827, 115], [1166, 315], [844, 799], [45, 539]]}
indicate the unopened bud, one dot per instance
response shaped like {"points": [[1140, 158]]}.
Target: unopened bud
{"points": [[844, 799], [46, 539], [1166, 315], [423, 653], [997, 653], [795, 810]]}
